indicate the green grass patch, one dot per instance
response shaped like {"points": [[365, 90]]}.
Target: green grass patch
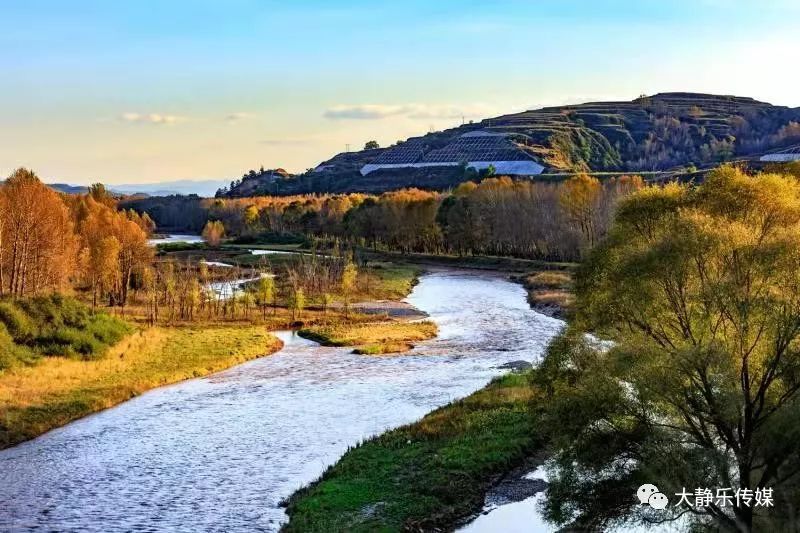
{"points": [[388, 281], [429, 474], [172, 247], [271, 239]]}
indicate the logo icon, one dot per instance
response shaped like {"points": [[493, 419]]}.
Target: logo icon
{"points": [[650, 495]]}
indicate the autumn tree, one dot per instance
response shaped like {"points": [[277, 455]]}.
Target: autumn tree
{"points": [[38, 249], [101, 265], [698, 292], [213, 232], [348, 284], [150, 288], [327, 300], [579, 197], [97, 222]]}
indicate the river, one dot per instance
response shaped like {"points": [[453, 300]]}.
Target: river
{"points": [[176, 239], [220, 453]]}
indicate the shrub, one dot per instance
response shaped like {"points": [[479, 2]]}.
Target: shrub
{"points": [[16, 322], [69, 341], [107, 329], [10, 354], [55, 325], [57, 311]]}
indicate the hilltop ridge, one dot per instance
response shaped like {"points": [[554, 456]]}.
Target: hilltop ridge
{"points": [[661, 132]]}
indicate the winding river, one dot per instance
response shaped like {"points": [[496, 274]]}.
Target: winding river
{"points": [[221, 452]]}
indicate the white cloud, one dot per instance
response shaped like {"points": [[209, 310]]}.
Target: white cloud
{"points": [[363, 111], [150, 118], [238, 116], [412, 111]]}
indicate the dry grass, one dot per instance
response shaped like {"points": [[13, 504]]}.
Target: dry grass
{"points": [[373, 338], [383, 348], [561, 299], [36, 399], [549, 279], [550, 292]]}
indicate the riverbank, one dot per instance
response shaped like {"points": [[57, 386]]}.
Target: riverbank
{"points": [[438, 472], [477, 262], [550, 292], [58, 390], [549, 283], [171, 458], [372, 338], [49, 391], [429, 474]]}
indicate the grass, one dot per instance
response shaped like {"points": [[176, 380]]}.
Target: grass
{"points": [[428, 475], [172, 247], [478, 262], [550, 291], [291, 247], [372, 338], [58, 390], [387, 281]]}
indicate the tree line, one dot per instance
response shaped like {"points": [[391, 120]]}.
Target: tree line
{"points": [[50, 242], [497, 216]]}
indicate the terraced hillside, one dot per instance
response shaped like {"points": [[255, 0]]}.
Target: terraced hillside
{"points": [[651, 133]]}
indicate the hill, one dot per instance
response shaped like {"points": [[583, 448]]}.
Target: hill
{"points": [[651, 133]]}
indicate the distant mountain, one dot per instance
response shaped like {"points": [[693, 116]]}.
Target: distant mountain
{"points": [[651, 133], [69, 189], [205, 188]]}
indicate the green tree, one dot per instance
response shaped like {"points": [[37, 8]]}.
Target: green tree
{"points": [[265, 292], [251, 217], [699, 292], [297, 301], [371, 145], [247, 300]]}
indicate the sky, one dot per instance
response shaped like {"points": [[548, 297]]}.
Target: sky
{"points": [[142, 91]]}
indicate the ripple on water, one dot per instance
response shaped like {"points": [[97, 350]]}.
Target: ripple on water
{"points": [[220, 453]]}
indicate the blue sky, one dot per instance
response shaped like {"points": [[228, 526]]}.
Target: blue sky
{"points": [[143, 91]]}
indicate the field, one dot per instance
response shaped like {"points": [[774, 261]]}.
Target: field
{"points": [[57, 390]]}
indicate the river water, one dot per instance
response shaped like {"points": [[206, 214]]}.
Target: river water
{"points": [[221, 452], [176, 239]]}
